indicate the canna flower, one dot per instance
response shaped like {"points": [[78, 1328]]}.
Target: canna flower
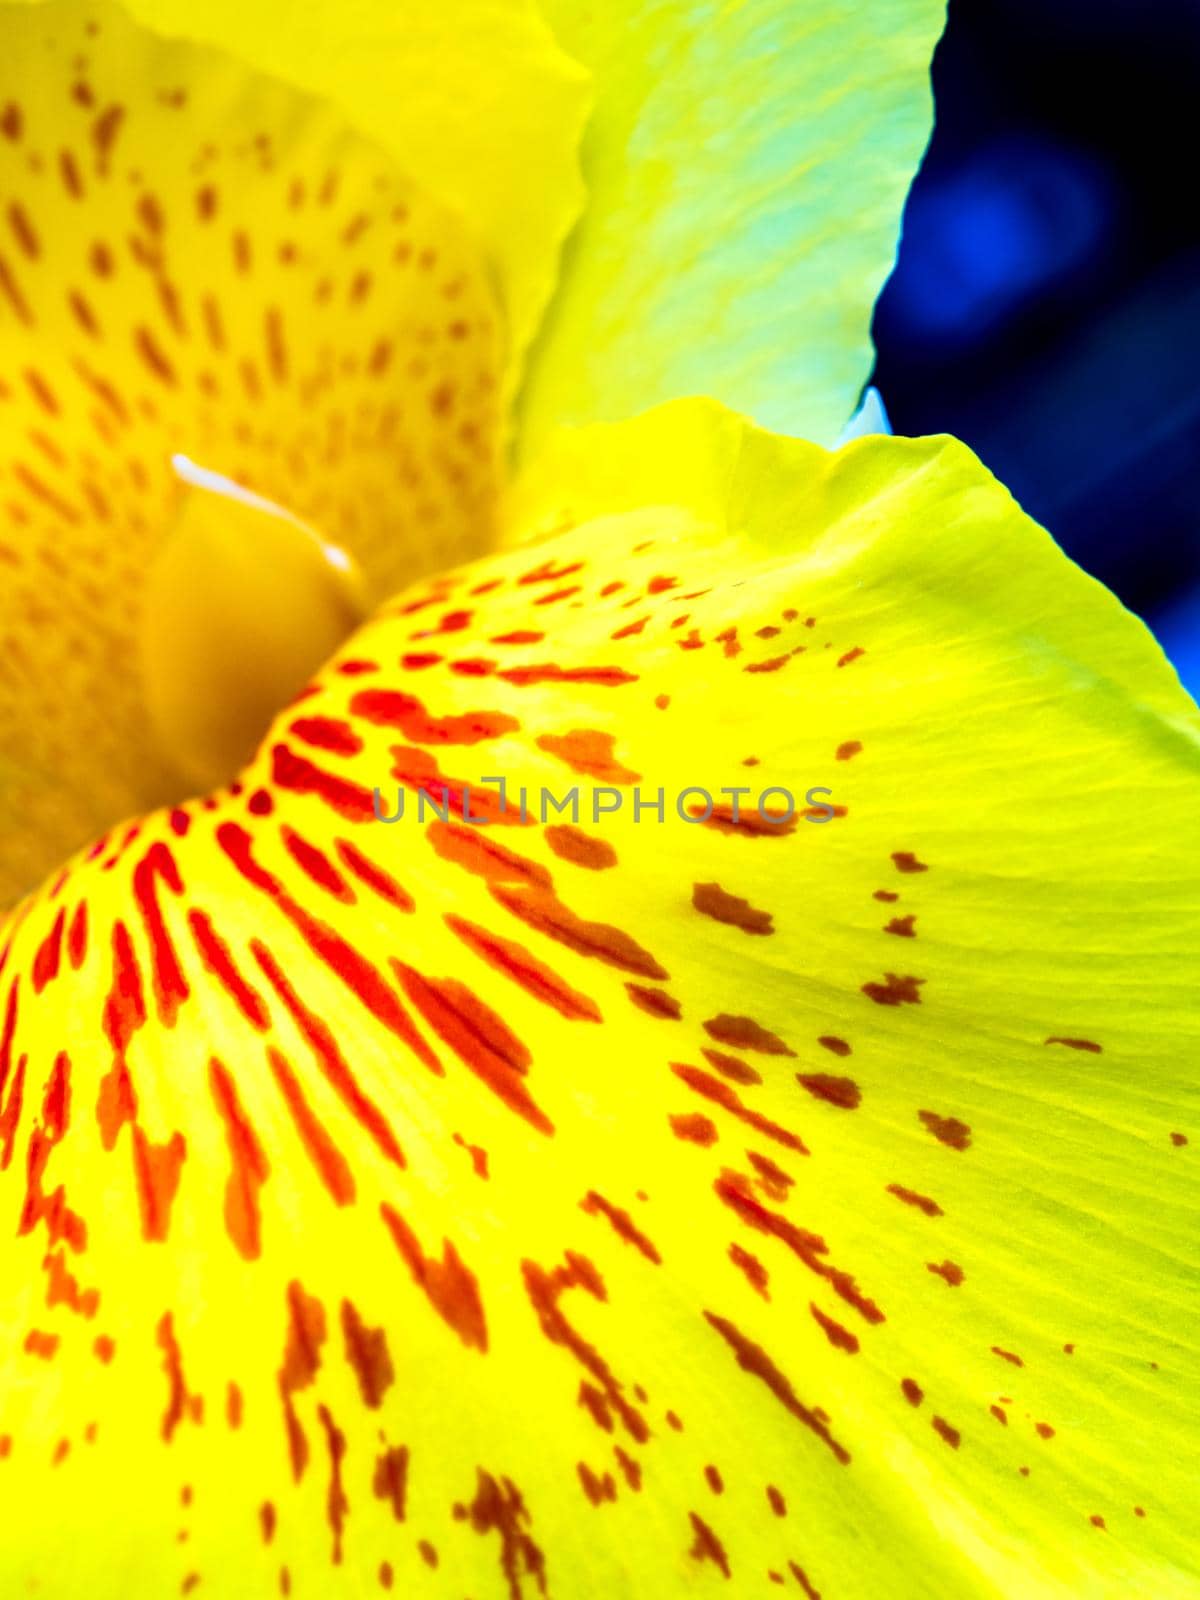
{"points": [[785, 1185]]}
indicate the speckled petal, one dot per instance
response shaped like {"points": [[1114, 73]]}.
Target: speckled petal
{"points": [[196, 259], [600, 1207]]}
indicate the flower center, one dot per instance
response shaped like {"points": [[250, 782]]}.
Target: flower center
{"points": [[242, 603]]}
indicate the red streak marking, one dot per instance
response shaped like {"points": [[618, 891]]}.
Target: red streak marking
{"points": [[912, 1198], [7, 1034], [1078, 1044], [301, 1363], [837, 1046], [545, 1289], [498, 1507], [731, 1067], [486, 858], [902, 927], [327, 733], [622, 1223], [1007, 1355], [951, 1435], [374, 877], [947, 1130], [331, 1165], [519, 636], [695, 1128], [571, 844], [336, 1503], [905, 861], [912, 1391], [301, 776], [364, 980], [895, 991], [596, 1489], [116, 1102], [654, 1002], [756, 1274], [243, 1217], [546, 914], [216, 959], [532, 975], [451, 1288], [49, 955], [549, 573], [61, 1222], [56, 1102], [949, 1270], [706, 1546], [588, 753], [170, 985], [772, 1179], [418, 770], [601, 677], [367, 1352], [42, 1345], [851, 655], [630, 629], [316, 866], [843, 1092], [478, 1037], [752, 1358], [180, 1404], [808, 1247], [390, 1482], [77, 935], [721, 1094], [799, 1574], [418, 660], [156, 1169], [63, 1288], [839, 1337], [389, 708], [336, 1070], [711, 900], [750, 824], [743, 1033]]}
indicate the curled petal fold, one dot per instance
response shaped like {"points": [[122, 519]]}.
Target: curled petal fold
{"points": [[600, 1206], [746, 169]]}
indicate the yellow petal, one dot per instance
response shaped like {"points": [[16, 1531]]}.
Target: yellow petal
{"points": [[604, 1208], [195, 259], [473, 100], [746, 168]]}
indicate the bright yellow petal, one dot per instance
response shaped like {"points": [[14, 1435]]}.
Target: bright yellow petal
{"points": [[746, 168], [473, 100], [196, 259], [600, 1209]]}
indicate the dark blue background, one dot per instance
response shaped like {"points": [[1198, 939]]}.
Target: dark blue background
{"points": [[1045, 305]]}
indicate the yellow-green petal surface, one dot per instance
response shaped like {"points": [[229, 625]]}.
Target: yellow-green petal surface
{"points": [[614, 1209], [746, 169]]}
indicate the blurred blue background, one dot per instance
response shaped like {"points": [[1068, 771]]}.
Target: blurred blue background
{"points": [[1045, 305]]}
